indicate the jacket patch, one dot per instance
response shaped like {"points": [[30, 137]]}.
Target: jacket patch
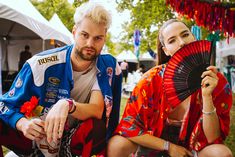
{"points": [[48, 59], [108, 103], [110, 74], [109, 71], [19, 83], [54, 80], [63, 91], [47, 100], [40, 63], [11, 92], [3, 108], [52, 89], [51, 94]]}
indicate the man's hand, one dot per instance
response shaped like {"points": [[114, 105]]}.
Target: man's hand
{"points": [[32, 129], [178, 151], [55, 120]]}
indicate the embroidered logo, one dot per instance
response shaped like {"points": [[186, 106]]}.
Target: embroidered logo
{"points": [[109, 71], [19, 83], [110, 74], [108, 100], [3, 108], [63, 91], [51, 94], [48, 60], [11, 92], [54, 80]]}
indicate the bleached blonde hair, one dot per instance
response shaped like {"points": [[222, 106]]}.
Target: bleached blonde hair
{"points": [[93, 11]]}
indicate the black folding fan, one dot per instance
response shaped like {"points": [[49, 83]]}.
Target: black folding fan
{"points": [[183, 72]]}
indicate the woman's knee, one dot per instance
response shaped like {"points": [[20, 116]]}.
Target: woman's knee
{"points": [[120, 146], [216, 150]]}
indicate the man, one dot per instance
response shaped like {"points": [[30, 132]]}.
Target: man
{"points": [[124, 67], [24, 56], [78, 88]]}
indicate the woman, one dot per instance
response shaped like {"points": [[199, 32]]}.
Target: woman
{"points": [[196, 127]]}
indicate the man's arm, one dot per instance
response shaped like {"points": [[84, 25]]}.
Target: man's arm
{"points": [[57, 116], [94, 109], [20, 92]]}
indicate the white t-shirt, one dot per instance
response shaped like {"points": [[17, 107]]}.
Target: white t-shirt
{"points": [[84, 83]]}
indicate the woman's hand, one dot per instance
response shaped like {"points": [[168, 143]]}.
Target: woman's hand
{"points": [[209, 81], [179, 151], [55, 120]]}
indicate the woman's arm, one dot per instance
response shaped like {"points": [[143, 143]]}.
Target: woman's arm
{"points": [[211, 124], [156, 143]]}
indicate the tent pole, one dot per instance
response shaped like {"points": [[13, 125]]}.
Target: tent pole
{"points": [[43, 44], [7, 65]]}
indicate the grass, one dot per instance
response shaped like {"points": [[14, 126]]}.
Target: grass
{"points": [[230, 140]]}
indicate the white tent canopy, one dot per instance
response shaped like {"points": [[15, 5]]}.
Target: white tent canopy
{"points": [[146, 57], [21, 24], [128, 56], [59, 26], [223, 49], [24, 13]]}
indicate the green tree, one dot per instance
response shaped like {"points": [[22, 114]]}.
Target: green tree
{"points": [[77, 3], [147, 16], [62, 8], [110, 44]]}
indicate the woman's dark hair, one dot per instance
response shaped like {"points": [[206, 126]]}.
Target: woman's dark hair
{"points": [[162, 57]]}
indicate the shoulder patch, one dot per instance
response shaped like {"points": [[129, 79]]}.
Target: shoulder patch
{"points": [[39, 64]]}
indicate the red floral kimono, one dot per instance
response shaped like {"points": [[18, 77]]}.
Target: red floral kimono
{"points": [[146, 111]]}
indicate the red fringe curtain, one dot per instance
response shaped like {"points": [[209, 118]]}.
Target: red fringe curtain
{"points": [[212, 15]]}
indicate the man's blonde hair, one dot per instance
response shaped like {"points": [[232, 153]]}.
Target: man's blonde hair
{"points": [[93, 11]]}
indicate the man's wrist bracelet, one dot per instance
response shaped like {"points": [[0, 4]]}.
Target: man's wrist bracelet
{"points": [[209, 113], [72, 106]]}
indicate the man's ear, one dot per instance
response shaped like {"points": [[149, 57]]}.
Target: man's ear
{"points": [[165, 50], [74, 30]]}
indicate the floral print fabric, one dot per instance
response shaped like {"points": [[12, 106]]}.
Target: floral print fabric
{"points": [[146, 111]]}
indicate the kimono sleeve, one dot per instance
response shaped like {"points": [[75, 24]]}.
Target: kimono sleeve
{"points": [[139, 111], [222, 99], [19, 92], [223, 103]]}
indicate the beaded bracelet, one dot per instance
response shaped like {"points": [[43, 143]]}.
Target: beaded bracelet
{"points": [[209, 113]]}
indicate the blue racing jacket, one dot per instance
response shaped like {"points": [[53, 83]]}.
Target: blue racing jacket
{"points": [[48, 76]]}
